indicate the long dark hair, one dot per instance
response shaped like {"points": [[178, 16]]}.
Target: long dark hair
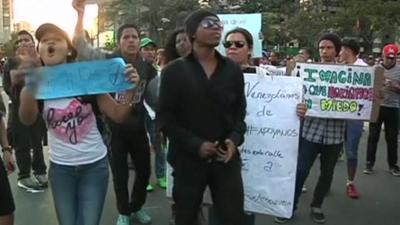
{"points": [[170, 50]]}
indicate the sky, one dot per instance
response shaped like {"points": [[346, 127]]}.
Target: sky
{"points": [[59, 12]]}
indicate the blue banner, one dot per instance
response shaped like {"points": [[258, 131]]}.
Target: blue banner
{"points": [[81, 78]]}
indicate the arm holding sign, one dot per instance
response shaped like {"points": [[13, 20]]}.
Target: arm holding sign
{"points": [[301, 110], [115, 111], [29, 108], [85, 51]]}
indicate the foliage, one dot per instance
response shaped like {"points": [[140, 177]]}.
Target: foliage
{"points": [[368, 20], [154, 17], [283, 20], [9, 46]]}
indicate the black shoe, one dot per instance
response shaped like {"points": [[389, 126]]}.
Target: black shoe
{"points": [[281, 220], [395, 171], [317, 215]]}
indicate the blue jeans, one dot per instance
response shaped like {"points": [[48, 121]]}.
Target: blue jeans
{"points": [[308, 152], [155, 140], [354, 131], [79, 192]]}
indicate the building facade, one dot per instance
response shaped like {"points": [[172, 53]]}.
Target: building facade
{"points": [[6, 20]]}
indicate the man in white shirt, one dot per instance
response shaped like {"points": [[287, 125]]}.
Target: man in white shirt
{"points": [[354, 128]]}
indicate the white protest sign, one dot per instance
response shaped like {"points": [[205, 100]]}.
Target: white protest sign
{"points": [[250, 22], [269, 153], [337, 91]]}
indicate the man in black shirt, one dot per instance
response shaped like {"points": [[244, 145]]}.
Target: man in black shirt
{"points": [[202, 111], [24, 138]]}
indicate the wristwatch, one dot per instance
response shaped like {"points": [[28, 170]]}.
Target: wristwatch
{"points": [[7, 149]]}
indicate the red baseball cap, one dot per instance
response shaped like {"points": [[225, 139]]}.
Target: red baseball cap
{"points": [[390, 50]]}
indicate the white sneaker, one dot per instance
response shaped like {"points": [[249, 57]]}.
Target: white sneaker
{"points": [[29, 185], [42, 180], [124, 220]]}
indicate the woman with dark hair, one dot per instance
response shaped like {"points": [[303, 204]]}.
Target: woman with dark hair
{"points": [[78, 158], [178, 45], [238, 45]]}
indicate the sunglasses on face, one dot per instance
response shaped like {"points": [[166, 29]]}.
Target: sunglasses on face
{"points": [[238, 44], [209, 23]]}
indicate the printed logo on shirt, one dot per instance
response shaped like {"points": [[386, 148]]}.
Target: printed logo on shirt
{"points": [[73, 123], [121, 96]]}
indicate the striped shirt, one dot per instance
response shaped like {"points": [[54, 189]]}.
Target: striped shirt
{"points": [[391, 96]]}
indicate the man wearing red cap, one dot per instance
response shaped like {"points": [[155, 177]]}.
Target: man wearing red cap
{"points": [[388, 113]]}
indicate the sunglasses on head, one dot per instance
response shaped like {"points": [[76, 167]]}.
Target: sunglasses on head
{"points": [[238, 44], [209, 23]]}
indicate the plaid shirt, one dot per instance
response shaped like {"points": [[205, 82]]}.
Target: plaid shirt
{"points": [[324, 131]]}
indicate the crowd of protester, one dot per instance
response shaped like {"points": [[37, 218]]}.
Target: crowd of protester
{"points": [[188, 107]]}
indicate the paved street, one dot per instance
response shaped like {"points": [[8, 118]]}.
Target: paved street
{"points": [[379, 202]]}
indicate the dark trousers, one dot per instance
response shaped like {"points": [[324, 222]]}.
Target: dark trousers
{"points": [[191, 177], [137, 146], [389, 117], [248, 219], [26, 138], [308, 152], [7, 206]]}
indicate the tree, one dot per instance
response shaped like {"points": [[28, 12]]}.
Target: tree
{"points": [[369, 20], [154, 17], [9, 46]]}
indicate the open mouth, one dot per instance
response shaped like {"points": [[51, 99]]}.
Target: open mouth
{"points": [[51, 49]]}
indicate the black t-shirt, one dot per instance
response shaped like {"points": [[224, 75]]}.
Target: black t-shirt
{"points": [[146, 71]]}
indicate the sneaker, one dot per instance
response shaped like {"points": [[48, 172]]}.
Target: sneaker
{"points": [[394, 170], [352, 191], [29, 185], [142, 217], [304, 189], [124, 220], [282, 220], [42, 180], [162, 182], [368, 170], [317, 215], [149, 188]]}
